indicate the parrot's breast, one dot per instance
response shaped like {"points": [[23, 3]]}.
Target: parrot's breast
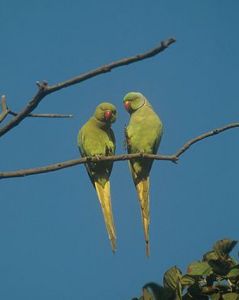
{"points": [[144, 131]]}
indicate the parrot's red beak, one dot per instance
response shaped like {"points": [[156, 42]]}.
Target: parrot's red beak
{"points": [[127, 105], [108, 115]]}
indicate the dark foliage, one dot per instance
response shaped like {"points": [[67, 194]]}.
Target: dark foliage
{"points": [[214, 277]]}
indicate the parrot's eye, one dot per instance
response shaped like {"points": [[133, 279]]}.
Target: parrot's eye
{"points": [[127, 105], [108, 114]]}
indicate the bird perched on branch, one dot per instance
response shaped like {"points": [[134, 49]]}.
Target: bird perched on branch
{"points": [[143, 135], [96, 138]]}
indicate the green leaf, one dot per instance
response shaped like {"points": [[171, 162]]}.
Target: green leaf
{"points": [[199, 268], [178, 295], [230, 296], [224, 247], [156, 290], [234, 272], [211, 255], [171, 280], [215, 296], [147, 295], [187, 280]]}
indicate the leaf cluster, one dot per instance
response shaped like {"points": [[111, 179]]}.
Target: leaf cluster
{"points": [[215, 277]]}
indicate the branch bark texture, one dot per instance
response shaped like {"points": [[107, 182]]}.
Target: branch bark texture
{"points": [[70, 163], [43, 115]]}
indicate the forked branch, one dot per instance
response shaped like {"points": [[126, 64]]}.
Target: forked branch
{"points": [[4, 108], [70, 163], [43, 115], [7, 111]]}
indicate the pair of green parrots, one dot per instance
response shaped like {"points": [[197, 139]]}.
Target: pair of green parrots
{"points": [[143, 135]]}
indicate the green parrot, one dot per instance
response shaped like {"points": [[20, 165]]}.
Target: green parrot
{"points": [[143, 135], [96, 138]]}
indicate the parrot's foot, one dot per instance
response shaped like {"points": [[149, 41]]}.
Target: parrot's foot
{"points": [[93, 158], [142, 153], [97, 157]]}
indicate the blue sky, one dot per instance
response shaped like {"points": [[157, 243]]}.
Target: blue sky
{"points": [[52, 236]]}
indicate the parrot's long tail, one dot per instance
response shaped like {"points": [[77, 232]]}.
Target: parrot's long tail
{"points": [[142, 188], [105, 202]]}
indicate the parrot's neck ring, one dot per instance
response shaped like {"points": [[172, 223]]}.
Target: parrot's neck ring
{"points": [[102, 124], [141, 104]]}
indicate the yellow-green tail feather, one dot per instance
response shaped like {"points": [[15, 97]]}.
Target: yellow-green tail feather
{"points": [[142, 188], [105, 202]]}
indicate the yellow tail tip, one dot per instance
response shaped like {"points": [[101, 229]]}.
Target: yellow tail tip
{"points": [[105, 202]]}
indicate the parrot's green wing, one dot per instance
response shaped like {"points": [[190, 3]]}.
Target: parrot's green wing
{"points": [[96, 138], [142, 135], [95, 142]]}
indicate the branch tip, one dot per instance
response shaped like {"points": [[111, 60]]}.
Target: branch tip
{"points": [[3, 102], [168, 42], [13, 113]]}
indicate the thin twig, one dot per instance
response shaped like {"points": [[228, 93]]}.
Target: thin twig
{"points": [[204, 136], [45, 89], [4, 108], [43, 115], [70, 163], [6, 111], [119, 63]]}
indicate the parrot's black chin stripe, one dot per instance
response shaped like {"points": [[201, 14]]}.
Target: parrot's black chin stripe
{"points": [[141, 105]]}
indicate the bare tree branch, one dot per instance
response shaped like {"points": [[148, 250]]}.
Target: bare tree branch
{"points": [[43, 115], [70, 163], [6, 111], [119, 63], [45, 90], [187, 145], [4, 108], [74, 162]]}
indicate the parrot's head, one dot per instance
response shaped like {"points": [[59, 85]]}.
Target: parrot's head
{"points": [[133, 101], [106, 112]]}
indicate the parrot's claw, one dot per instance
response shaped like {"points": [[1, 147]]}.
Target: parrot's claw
{"points": [[94, 158], [142, 153]]}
